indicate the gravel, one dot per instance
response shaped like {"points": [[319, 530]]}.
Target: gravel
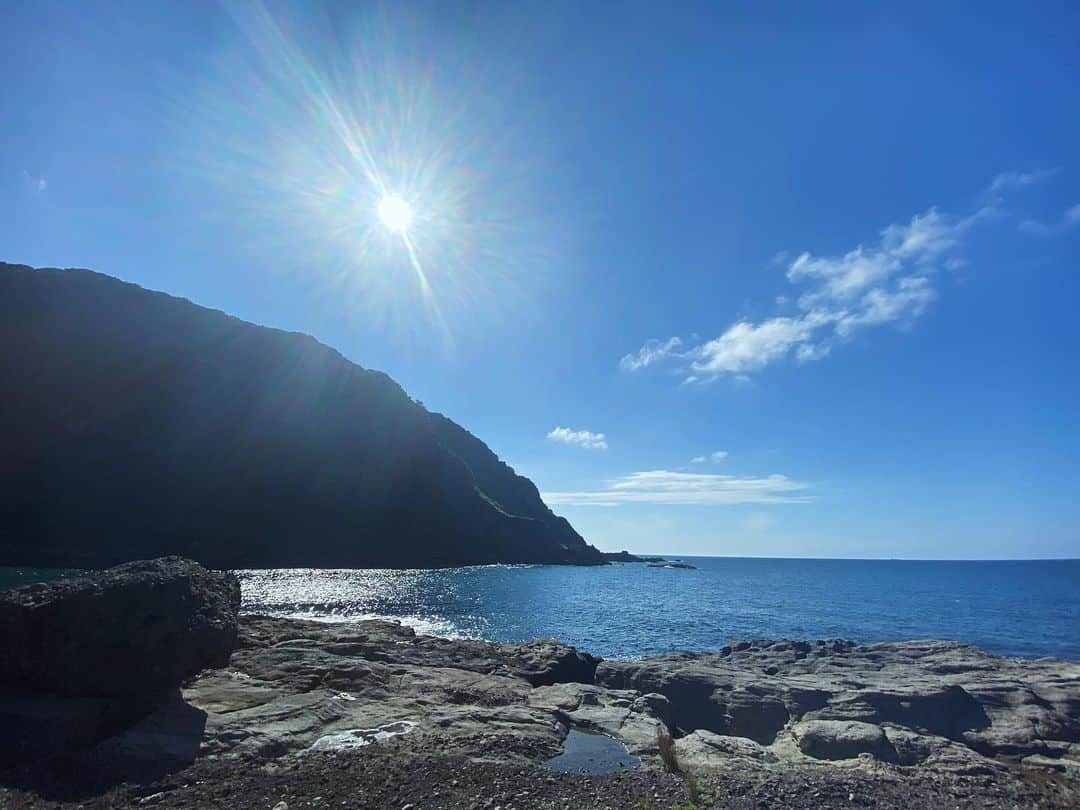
{"points": [[377, 778]]}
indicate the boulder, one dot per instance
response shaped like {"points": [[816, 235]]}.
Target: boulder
{"points": [[703, 749], [658, 706], [138, 628], [842, 739], [545, 661]]}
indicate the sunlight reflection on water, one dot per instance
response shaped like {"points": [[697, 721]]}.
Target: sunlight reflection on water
{"points": [[1027, 608], [415, 597]]}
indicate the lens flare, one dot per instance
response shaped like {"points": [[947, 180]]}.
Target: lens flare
{"points": [[395, 173], [395, 213]]}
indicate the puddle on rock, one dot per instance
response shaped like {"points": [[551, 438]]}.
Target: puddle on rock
{"points": [[359, 737], [591, 753]]}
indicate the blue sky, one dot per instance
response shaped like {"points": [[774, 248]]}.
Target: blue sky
{"points": [[754, 279]]}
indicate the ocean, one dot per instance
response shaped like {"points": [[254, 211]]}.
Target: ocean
{"points": [[628, 610]]}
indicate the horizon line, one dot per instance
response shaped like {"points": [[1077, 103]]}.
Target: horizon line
{"points": [[670, 555]]}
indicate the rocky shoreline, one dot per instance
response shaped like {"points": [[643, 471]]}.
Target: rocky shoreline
{"points": [[369, 714]]}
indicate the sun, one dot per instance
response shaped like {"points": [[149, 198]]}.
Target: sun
{"points": [[395, 214]]}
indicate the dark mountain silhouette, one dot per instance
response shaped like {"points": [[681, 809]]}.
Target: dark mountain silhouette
{"points": [[134, 424]]}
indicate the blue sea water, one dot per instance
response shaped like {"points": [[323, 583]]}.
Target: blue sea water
{"points": [[1028, 608]]}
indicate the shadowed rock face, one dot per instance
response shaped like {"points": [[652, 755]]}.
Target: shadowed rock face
{"points": [[135, 629], [136, 425], [84, 658]]}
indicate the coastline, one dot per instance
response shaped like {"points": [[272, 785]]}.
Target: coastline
{"points": [[280, 725], [370, 714], [257, 711]]}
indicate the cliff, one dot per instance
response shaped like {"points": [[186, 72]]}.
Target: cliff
{"points": [[136, 424]]}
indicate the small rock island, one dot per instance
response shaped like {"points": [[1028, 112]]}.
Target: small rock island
{"points": [[145, 685]]}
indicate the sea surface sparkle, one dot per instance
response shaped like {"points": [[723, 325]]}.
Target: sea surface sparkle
{"points": [[1025, 608]]}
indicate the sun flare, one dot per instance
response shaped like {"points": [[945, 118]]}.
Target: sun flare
{"points": [[395, 213]]}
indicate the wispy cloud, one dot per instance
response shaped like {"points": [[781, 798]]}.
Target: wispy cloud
{"points": [[36, 183], [718, 455], [651, 352], [891, 280], [1069, 220], [687, 489], [581, 438], [1010, 180]]}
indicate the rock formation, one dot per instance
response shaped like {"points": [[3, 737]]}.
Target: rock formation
{"points": [[797, 723], [136, 425], [939, 707], [86, 656], [934, 703], [139, 627]]}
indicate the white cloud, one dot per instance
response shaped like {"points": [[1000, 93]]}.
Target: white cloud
{"points": [[718, 455], [891, 280], [687, 489], [749, 347], [1010, 180], [908, 298], [1069, 220], [698, 460], [651, 352], [582, 438], [842, 278]]}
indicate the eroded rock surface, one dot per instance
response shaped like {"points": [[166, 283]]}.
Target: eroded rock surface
{"points": [[782, 720], [936, 703], [292, 684], [939, 706]]}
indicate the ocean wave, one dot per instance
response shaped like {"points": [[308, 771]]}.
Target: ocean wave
{"points": [[423, 625]]}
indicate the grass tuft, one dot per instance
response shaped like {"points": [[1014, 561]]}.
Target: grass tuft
{"points": [[693, 788], [667, 752]]}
